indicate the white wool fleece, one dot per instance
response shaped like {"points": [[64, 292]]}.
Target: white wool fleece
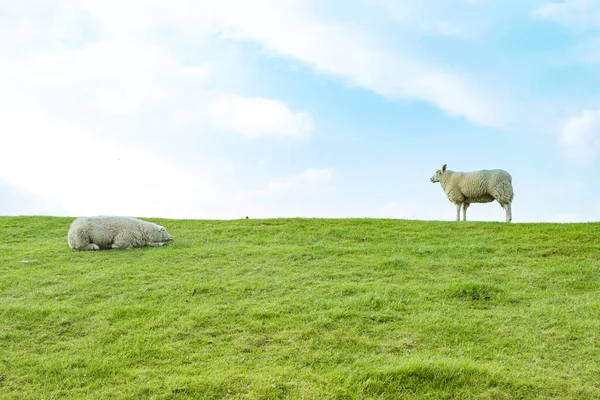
{"points": [[95, 233]]}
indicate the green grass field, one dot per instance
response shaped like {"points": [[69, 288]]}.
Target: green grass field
{"points": [[303, 309]]}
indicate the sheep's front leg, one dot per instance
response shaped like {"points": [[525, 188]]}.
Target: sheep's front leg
{"points": [[464, 208], [116, 246], [508, 210], [156, 244], [458, 205], [91, 246]]}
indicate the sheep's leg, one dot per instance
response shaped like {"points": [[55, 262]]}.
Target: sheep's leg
{"points": [[508, 210], [156, 244], [464, 208], [121, 246], [91, 246], [458, 205]]}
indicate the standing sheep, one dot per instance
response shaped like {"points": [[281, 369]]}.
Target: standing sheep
{"points": [[95, 233], [464, 188]]}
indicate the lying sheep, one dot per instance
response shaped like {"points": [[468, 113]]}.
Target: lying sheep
{"points": [[464, 188], [95, 233]]}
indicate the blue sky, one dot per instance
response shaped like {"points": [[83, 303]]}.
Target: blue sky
{"points": [[297, 108]]}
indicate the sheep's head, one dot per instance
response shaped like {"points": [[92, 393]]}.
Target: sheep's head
{"points": [[165, 234], [159, 234], [438, 175]]}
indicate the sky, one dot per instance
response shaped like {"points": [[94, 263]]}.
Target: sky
{"points": [[297, 108]]}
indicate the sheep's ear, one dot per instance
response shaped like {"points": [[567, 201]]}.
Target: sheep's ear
{"points": [[444, 168]]}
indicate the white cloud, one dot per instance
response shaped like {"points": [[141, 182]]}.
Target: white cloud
{"points": [[579, 14], [257, 117], [122, 78], [580, 136], [293, 29], [81, 171], [86, 116], [290, 28], [124, 69], [440, 17], [342, 50], [312, 179], [15, 200]]}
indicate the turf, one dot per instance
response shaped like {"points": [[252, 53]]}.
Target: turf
{"points": [[303, 309]]}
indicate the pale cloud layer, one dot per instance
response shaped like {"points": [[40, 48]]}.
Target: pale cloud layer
{"points": [[440, 17], [578, 14], [292, 29], [580, 136], [121, 77], [89, 95], [312, 180], [256, 117], [356, 56]]}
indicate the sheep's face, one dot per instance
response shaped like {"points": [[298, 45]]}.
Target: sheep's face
{"points": [[160, 234], [165, 235], [438, 175]]}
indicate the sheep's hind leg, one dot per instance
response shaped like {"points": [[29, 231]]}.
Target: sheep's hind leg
{"points": [[464, 208]]}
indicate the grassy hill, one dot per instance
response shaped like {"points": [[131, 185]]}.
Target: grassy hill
{"points": [[303, 308]]}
